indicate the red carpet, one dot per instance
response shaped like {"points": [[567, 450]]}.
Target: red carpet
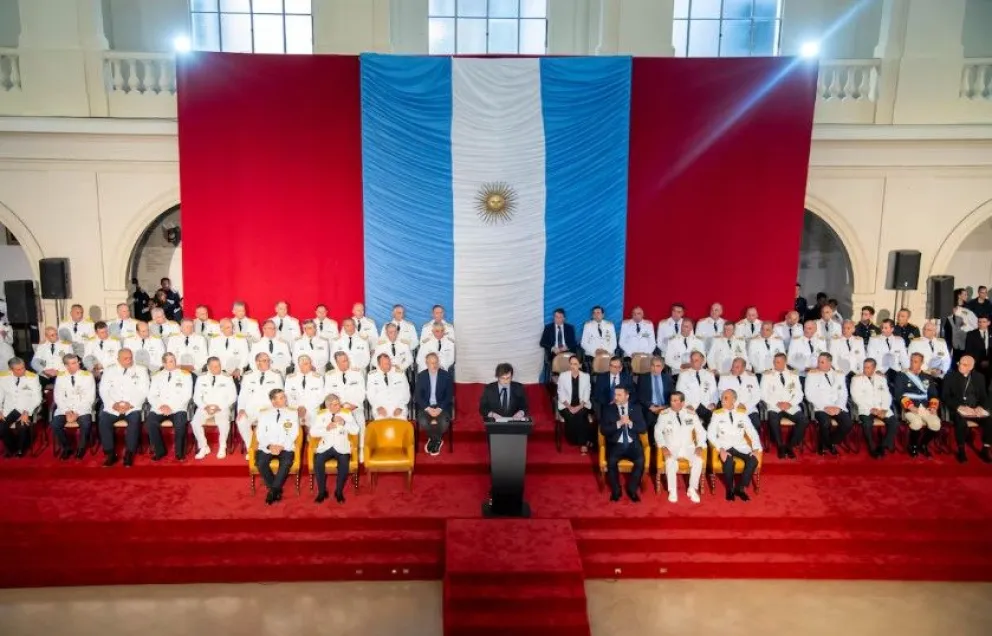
{"points": [[847, 517]]}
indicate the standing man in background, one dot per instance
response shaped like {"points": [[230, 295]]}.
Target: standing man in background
{"points": [[800, 305], [980, 305]]}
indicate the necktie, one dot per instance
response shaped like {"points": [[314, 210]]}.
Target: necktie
{"points": [[203, 327], [768, 345], [121, 328], [848, 344], [829, 383], [240, 327], [18, 382], [781, 377], [187, 341], [678, 326], [638, 328], [304, 382], [72, 379], [101, 345], [623, 413], [439, 345], [716, 328], [53, 347], [168, 378], [826, 327], [261, 378], [278, 416], [740, 381], [321, 325], [349, 342], [678, 418], [698, 381], [311, 344], [600, 328], [227, 342], [504, 403], [931, 347], [613, 383], [685, 343], [657, 389], [394, 348], [142, 343], [561, 340], [213, 381], [280, 324], [272, 346], [811, 346], [75, 327], [888, 344], [385, 377]]}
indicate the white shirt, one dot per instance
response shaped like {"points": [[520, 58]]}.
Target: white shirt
{"points": [[331, 436], [745, 386], [21, 394], [189, 350], [936, 356], [678, 351], [147, 352], [787, 332], [255, 387], [287, 329], [122, 329], [565, 390], [277, 427], [723, 351], [781, 386], [748, 328], [75, 392], [124, 385], [707, 329], [76, 332], [207, 328], [317, 349], [398, 351], [761, 352], [48, 355], [406, 332], [348, 386], [803, 353], [327, 328], [889, 352], [824, 389], [728, 429], [164, 330], [699, 388], [637, 337], [278, 353], [232, 351], [215, 390], [667, 329], [357, 349], [248, 327], [101, 353], [365, 327], [848, 353], [390, 395], [444, 348], [306, 391], [598, 335], [427, 331], [171, 388], [871, 393], [674, 431]]}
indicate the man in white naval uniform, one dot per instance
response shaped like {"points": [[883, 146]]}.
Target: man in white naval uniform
{"points": [[189, 347], [168, 398], [77, 329], [936, 356], [733, 436], [406, 331], [146, 348], [712, 325], [74, 396], [398, 351], [699, 388], [277, 350], [388, 391], [123, 391], [230, 348], [330, 432], [349, 385], [637, 334], [314, 347], [162, 327], [278, 428], [214, 396], [255, 388], [746, 386], [827, 326], [440, 344], [124, 326], [598, 335], [20, 397], [364, 326], [47, 360], [761, 350], [101, 350], [305, 391], [437, 315], [327, 328], [870, 393], [848, 351], [826, 390], [803, 351], [287, 327], [782, 393], [678, 349], [724, 349], [680, 435], [889, 351], [790, 328], [248, 327], [203, 324], [670, 327], [750, 327], [353, 345]]}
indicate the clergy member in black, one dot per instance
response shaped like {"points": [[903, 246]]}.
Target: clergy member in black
{"points": [[977, 344], [621, 425], [967, 400], [504, 397]]}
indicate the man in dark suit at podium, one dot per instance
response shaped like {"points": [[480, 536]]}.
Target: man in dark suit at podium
{"points": [[621, 424], [504, 397]]}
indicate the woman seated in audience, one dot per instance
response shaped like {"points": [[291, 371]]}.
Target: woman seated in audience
{"points": [[574, 405]]}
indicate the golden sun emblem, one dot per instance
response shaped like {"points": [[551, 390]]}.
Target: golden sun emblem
{"points": [[496, 202]]}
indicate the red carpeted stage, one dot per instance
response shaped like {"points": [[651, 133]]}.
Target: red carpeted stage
{"points": [[69, 523]]}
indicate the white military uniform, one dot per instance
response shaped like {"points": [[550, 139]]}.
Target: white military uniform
{"points": [[327, 328], [278, 353], [287, 329], [825, 389], [254, 396], [773, 391], [406, 332], [427, 331], [101, 352], [232, 351], [48, 355], [723, 351], [745, 386], [761, 352], [189, 350], [306, 391], [848, 353], [365, 327], [248, 327], [277, 427], [399, 353], [787, 332], [747, 329], [335, 437], [828, 329], [871, 393], [123, 329], [936, 357], [77, 333], [668, 329], [147, 352], [390, 394], [316, 348], [699, 388], [124, 385], [681, 433], [598, 335], [75, 392], [889, 352], [21, 394], [217, 390], [207, 328], [350, 389], [357, 349], [803, 353], [728, 429], [678, 351], [708, 329], [6, 339], [171, 388], [164, 330], [637, 337], [444, 348]]}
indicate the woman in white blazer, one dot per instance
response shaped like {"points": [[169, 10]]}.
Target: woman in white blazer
{"points": [[574, 405]]}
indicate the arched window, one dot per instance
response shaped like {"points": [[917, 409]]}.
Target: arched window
{"points": [[824, 264], [158, 254]]}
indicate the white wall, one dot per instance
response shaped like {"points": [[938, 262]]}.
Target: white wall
{"points": [[14, 264], [972, 264], [977, 36]]}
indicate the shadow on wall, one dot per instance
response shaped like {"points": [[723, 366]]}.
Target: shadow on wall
{"points": [[95, 313]]}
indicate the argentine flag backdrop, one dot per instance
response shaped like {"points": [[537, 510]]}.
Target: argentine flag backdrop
{"points": [[438, 133]]}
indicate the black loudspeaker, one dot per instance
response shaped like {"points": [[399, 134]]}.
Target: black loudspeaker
{"points": [[55, 282], [904, 269], [22, 304], [940, 297]]}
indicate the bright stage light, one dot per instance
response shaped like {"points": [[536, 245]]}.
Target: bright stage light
{"points": [[182, 44], [810, 49]]}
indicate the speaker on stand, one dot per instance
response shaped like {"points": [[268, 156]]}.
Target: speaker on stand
{"points": [[22, 313], [903, 274], [55, 283], [940, 297]]}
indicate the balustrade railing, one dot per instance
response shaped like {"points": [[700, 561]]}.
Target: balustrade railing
{"points": [[848, 80], [976, 80], [140, 73], [10, 70]]}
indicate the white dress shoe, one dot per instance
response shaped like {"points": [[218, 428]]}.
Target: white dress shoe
{"points": [[693, 495], [203, 452], [673, 497], [222, 453]]}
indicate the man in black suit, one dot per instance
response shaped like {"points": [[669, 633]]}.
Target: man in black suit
{"points": [[800, 305], [977, 343], [606, 383], [504, 397], [981, 305], [433, 395], [621, 425], [967, 400], [558, 336], [654, 390]]}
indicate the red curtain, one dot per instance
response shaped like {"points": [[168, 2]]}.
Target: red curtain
{"points": [[719, 150], [271, 181]]}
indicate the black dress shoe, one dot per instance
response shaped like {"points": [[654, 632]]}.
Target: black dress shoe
{"points": [[110, 460], [80, 453], [781, 452], [615, 496], [270, 498], [821, 451], [913, 451], [339, 496], [791, 453], [986, 454], [128, 459], [321, 497], [19, 454], [962, 458], [633, 496], [65, 454], [180, 457], [925, 450], [278, 494], [730, 495], [740, 494], [832, 449]]}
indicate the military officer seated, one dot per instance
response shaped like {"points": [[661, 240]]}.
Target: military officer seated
{"points": [[305, 390], [746, 386], [354, 345], [278, 428], [406, 331], [287, 327], [698, 385], [147, 350], [889, 350], [189, 347], [388, 391], [870, 393], [277, 350], [679, 349], [74, 395], [848, 351], [123, 391], [20, 397], [47, 360], [804, 350], [203, 324], [712, 325], [349, 385], [782, 394], [160, 326], [917, 393], [331, 429], [637, 334], [169, 397], [437, 318], [77, 329], [248, 327], [733, 436], [214, 396], [100, 351], [826, 390], [327, 327], [679, 434], [397, 350], [903, 328], [724, 349], [936, 356], [230, 348], [750, 327], [440, 345], [598, 336], [364, 326], [312, 346], [254, 396], [124, 326], [671, 326], [761, 350], [790, 328], [827, 326]]}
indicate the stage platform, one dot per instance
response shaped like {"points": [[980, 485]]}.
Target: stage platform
{"points": [[846, 517]]}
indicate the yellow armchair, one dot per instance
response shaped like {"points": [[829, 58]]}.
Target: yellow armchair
{"points": [[624, 465], [389, 448], [294, 469], [684, 468], [716, 467], [331, 465]]}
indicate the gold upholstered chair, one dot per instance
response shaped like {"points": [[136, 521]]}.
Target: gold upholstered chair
{"points": [[389, 448], [714, 467], [331, 465], [624, 465], [294, 469]]}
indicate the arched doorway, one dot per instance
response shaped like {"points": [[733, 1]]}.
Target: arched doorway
{"points": [[14, 265], [824, 264], [158, 254], [971, 264]]}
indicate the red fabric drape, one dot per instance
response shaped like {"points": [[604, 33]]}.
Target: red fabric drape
{"points": [[271, 181], [719, 150]]}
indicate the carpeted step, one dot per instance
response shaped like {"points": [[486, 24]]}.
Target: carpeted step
{"points": [[532, 622], [517, 596]]}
